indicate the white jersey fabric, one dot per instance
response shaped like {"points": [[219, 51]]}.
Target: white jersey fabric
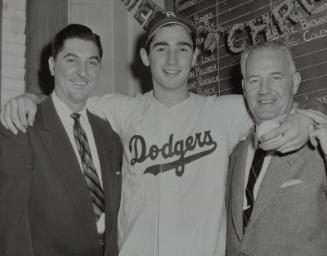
{"points": [[174, 169]]}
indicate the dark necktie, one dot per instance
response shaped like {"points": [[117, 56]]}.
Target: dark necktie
{"points": [[89, 172], [255, 169]]}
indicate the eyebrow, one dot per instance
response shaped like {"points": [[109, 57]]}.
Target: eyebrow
{"points": [[277, 73], [163, 43], [95, 58], [252, 76], [70, 55], [76, 56]]}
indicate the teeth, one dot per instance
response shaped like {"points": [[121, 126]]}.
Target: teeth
{"points": [[266, 101], [171, 72], [80, 83]]}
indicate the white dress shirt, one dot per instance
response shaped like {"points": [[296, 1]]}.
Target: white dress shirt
{"points": [[64, 114]]}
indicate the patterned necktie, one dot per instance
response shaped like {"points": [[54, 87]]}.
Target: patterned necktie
{"points": [[255, 169], [89, 172]]}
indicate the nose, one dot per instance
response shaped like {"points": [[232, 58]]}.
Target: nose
{"points": [[82, 69], [264, 86], [172, 57]]}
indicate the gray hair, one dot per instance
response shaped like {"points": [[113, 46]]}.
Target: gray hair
{"points": [[269, 45]]}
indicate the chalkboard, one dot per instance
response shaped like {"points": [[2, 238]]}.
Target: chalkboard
{"points": [[219, 72]]}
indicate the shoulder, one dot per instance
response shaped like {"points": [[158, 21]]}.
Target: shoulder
{"points": [[311, 156], [232, 101], [307, 161], [102, 126]]}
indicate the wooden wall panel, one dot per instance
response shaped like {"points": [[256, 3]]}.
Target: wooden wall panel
{"points": [[44, 19], [1, 10]]}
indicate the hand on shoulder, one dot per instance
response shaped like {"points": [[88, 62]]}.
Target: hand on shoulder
{"points": [[18, 113]]}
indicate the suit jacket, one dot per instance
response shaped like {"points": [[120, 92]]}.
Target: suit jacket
{"points": [[45, 208], [290, 212]]}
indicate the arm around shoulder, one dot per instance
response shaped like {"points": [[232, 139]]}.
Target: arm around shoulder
{"points": [[236, 117], [18, 113]]}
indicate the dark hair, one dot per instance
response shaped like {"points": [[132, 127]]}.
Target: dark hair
{"points": [[148, 43], [75, 31]]}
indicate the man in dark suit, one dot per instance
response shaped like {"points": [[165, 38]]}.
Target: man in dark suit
{"points": [[276, 203], [60, 182]]}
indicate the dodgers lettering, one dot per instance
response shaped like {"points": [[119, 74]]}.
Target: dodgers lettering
{"points": [[180, 148]]}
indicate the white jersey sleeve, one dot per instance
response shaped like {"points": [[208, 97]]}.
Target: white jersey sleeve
{"points": [[236, 117], [110, 107]]}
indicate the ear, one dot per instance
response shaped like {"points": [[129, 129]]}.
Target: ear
{"points": [[145, 57], [296, 82], [243, 87], [51, 65], [195, 55]]}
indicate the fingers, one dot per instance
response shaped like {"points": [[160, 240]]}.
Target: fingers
{"points": [[273, 134], [2, 117], [320, 134], [14, 120], [273, 143], [290, 146], [31, 114], [284, 143], [313, 140], [20, 114], [6, 120], [292, 134]]}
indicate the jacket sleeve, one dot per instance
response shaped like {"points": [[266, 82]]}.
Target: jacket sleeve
{"points": [[15, 178]]}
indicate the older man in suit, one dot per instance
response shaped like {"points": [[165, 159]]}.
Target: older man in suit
{"points": [[60, 182], [276, 203]]}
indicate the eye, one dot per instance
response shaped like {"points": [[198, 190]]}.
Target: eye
{"points": [[160, 49], [253, 81], [184, 49], [70, 60], [276, 77], [94, 62]]}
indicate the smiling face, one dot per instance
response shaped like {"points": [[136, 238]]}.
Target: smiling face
{"points": [[269, 84], [170, 59], [76, 70]]}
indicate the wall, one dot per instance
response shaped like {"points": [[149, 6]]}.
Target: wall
{"points": [[44, 19]]}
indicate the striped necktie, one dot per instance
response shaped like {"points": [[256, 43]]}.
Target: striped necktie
{"points": [[89, 172], [255, 170]]}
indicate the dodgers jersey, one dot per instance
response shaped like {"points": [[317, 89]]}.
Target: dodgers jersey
{"points": [[174, 170]]}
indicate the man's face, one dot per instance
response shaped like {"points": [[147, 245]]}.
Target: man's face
{"points": [[76, 70], [170, 58], [269, 84]]}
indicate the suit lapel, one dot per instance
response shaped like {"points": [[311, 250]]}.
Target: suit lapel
{"points": [[237, 189], [106, 153], [64, 160], [109, 159], [279, 170]]}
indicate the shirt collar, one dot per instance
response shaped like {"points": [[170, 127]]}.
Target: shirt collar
{"points": [[62, 109]]}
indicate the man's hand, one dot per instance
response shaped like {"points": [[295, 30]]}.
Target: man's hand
{"points": [[319, 130], [291, 135], [320, 134], [17, 114]]}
